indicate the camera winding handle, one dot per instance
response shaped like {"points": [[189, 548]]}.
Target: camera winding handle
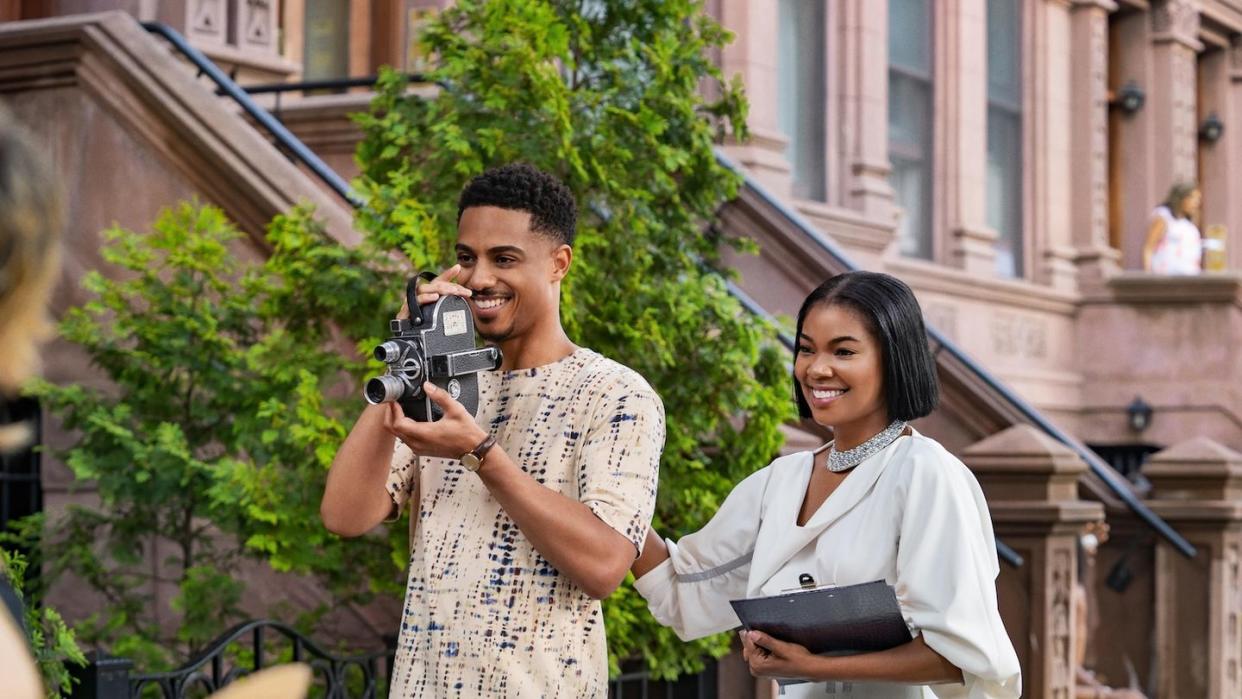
{"points": [[411, 296]]}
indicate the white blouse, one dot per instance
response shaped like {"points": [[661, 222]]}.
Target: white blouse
{"points": [[912, 515]]}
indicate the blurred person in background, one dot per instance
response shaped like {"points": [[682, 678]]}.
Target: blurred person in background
{"points": [[1174, 245]]}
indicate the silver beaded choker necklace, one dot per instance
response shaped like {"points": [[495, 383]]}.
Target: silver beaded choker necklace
{"points": [[839, 461]]}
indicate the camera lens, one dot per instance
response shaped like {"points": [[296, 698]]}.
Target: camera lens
{"points": [[388, 352], [383, 389]]}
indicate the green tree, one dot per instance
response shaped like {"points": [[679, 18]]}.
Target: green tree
{"points": [[211, 442], [622, 101]]}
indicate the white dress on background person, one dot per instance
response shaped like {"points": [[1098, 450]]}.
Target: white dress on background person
{"points": [[1181, 249], [912, 515]]}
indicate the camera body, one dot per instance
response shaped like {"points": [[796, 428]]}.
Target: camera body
{"points": [[436, 344]]}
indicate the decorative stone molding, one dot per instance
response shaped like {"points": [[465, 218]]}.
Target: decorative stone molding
{"points": [[1197, 488], [208, 21], [1093, 257], [974, 250], [1144, 288], [1176, 20], [1031, 483], [256, 25]]}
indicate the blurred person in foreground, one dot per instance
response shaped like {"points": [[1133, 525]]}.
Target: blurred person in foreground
{"points": [[30, 229]]}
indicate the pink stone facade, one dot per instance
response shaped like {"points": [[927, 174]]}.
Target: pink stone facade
{"points": [[1073, 328], [1090, 179]]}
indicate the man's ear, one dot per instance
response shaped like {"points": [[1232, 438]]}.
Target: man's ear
{"points": [[562, 257]]}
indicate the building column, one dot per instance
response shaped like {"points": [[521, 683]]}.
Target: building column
{"points": [[1049, 217], [1221, 80], [752, 55], [1175, 46], [1031, 484], [863, 166], [1197, 488], [1234, 146], [1095, 259], [963, 238]]}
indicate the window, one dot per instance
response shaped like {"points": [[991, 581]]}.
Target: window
{"points": [[1004, 183], [801, 94], [910, 121], [326, 47]]}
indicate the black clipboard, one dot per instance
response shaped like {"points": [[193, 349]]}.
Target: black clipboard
{"points": [[853, 619]]}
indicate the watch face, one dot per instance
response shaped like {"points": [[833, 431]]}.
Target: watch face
{"points": [[471, 462]]}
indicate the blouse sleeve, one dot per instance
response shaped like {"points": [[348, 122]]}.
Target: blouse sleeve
{"points": [[946, 577], [690, 591]]}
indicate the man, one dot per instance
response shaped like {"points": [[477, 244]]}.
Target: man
{"points": [[525, 516]]}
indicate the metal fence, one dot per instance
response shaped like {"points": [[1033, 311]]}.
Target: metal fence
{"points": [[243, 649]]}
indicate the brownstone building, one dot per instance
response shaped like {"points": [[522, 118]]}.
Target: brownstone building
{"points": [[1002, 156]]}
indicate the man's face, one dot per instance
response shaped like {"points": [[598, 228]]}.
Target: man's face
{"points": [[512, 270]]}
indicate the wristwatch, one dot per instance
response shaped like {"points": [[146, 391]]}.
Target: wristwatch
{"points": [[473, 459]]}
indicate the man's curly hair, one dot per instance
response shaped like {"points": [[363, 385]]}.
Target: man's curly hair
{"points": [[524, 187]]}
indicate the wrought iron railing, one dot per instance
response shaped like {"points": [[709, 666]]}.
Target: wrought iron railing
{"points": [[287, 140], [240, 651]]}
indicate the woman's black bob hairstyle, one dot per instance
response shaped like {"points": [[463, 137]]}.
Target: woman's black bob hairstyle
{"points": [[891, 313]]}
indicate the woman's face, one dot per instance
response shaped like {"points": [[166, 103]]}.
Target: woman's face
{"points": [[840, 370], [1192, 202]]}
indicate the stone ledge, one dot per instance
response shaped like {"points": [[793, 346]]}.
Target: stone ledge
{"points": [[1142, 288]]}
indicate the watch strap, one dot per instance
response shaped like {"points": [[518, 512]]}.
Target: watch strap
{"points": [[480, 451]]}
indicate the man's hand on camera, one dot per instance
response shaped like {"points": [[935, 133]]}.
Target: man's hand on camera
{"points": [[449, 437], [443, 285]]}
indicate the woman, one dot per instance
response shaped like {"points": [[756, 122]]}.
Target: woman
{"points": [[879, 502], [1173, 244]]}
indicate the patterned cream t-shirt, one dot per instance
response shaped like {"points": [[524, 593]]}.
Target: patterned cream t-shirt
{"points": [[485, 614]]}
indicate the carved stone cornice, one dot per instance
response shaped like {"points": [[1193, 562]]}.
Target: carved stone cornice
{"points": [[1176, 20]]}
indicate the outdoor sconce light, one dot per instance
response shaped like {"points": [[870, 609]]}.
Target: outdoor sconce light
{"points": [[1139, 414], [1211, 129], [1129, 98]]}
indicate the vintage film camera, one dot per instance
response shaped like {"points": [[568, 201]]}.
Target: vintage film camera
{"points": [[435, 344]]}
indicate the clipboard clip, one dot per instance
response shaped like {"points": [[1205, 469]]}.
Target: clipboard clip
{"points": [[806, 583]]}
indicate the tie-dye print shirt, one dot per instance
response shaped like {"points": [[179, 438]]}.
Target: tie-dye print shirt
{"points": [[485, 614]]}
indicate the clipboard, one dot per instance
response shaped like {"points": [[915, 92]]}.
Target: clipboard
{"points": [[860, 618]]}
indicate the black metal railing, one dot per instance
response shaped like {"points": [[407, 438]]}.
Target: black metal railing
{"points": [[635, 682], [1111, 479], [238, 652], [287, 140]]}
